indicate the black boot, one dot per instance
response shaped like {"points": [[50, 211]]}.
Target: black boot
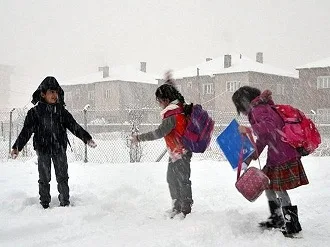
{"points": [[45, 205], [176, 209], [292, 224], [275, 219], [186, 206]]}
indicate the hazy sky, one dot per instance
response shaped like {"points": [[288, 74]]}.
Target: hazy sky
{"points": [[72, 38]]}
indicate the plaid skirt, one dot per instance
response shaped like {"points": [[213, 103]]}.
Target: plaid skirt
{"points": [[287, 176]]}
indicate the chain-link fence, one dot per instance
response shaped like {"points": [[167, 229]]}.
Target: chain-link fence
{"points": [[111, 129]]}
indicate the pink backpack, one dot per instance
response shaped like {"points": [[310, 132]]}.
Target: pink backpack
{"points": [[298, 130]]}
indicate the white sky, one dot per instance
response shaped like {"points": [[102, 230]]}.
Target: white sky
{"points": [[72, 38]]}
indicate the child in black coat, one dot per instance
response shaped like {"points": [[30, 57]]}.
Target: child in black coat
{"points": [[49, 120]]}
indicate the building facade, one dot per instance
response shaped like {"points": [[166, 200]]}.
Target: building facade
{"points": [[314, 88], [213, 82]]}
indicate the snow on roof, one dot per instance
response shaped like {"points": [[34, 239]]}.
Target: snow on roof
{"points": [[323, 63], [86, 79], [129, 73], [118, 73], [239, 63]]}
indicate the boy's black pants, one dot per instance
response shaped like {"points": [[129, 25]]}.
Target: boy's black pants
{"points": [[178, 178], [61, 171]]}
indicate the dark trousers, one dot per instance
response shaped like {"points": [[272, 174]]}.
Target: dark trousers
{"points": [[178, 179], [61, 171]]}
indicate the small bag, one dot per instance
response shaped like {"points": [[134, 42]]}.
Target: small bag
{"points": [[252, 183]]}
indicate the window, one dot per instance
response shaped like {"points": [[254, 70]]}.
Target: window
{"points": [[280, 89], [323, 82], [208, 88], [91, 95], [108, 94], [189, 84], [323, 115], [232, 86]]}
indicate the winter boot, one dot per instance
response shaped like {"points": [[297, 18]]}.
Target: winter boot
{"points": [[292, 224], [45, 205], [186, 206], [176, 209], [275, 219], [64, 204]]}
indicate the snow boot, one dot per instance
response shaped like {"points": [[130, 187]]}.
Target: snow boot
{"points": [[186, 206], [171, 213], [64, 203], [176, 209], [45, 205], [292, 224], [275, 220]]}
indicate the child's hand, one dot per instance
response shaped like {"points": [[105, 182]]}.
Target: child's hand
{"points": [[14, 153], [244, 166], [91, 143], [243, 129], [134, 139]]}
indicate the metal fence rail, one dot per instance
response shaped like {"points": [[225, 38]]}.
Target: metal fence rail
{"points": [[110, 130]]}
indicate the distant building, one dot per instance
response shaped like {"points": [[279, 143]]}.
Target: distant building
{"points": [[314, 93], [213, 82], [113, 93]]}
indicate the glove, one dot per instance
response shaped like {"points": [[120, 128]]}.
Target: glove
{"points": [[14, 153], [91, 143]]}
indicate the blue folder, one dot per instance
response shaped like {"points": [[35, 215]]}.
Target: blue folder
{"points": [[230, 142]]}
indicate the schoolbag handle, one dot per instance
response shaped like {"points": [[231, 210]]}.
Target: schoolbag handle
{"points": [[240, 160]]}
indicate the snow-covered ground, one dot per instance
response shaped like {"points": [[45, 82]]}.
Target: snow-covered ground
{"points": [[124, 205]]}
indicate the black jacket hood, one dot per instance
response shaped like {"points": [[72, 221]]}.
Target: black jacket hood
{"points": [[51, 83]]}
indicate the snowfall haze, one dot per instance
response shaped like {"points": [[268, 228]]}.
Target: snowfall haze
{"points": [[72, 38]]}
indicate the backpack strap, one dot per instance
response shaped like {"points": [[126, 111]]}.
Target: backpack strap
{"points": [[173, 112]]}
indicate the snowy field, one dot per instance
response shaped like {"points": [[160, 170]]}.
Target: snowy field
{"points": [[124, 205]]}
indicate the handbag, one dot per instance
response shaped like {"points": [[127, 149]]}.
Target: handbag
{"points": [[253, 181]]}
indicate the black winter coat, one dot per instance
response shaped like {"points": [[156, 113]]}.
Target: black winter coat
{"points": [[49, 124]]}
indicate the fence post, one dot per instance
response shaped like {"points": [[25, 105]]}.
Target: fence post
{"points": [[135, 150], [10, 127], [85, 124]]}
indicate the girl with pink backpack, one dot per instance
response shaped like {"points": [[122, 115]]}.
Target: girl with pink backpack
{"points": [[283, 166]]}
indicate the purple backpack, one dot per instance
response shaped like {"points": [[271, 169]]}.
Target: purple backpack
{"points": [[197, 135]]}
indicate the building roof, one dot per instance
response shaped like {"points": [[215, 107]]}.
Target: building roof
{"points": [[118, 73], [239, 63], [323, 63], [85, 79]]}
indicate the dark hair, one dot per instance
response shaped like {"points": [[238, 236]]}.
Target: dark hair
{"points": [[243, 97], [167, 91]]}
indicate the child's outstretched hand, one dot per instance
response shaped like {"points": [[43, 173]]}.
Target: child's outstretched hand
{"points": [[243, 129], [91, 143], [134, 139], [14, 153]]}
